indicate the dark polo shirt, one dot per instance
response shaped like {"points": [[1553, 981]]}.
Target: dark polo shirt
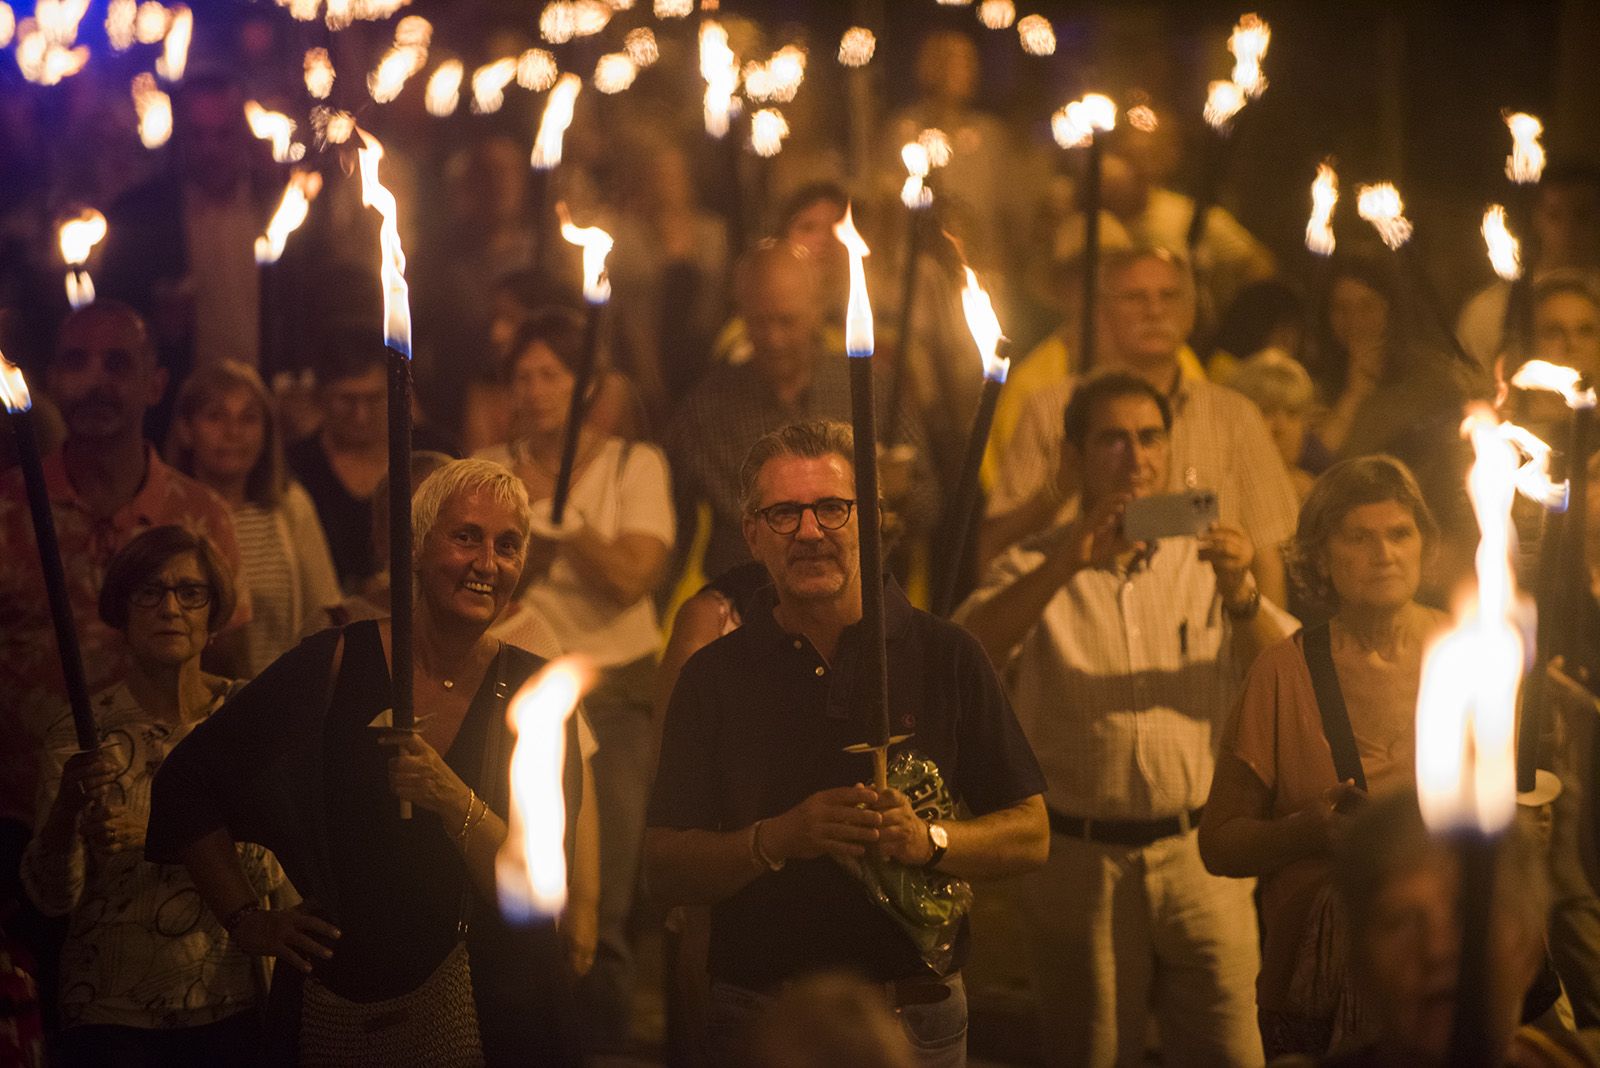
{"points": [[758, 722]]}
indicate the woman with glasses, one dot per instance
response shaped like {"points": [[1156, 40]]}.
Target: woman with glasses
{"points": [[148, 975], [592, 580]]}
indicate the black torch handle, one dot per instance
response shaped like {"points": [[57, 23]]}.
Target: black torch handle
{"points": [[400, 546], [1470, 1032], [1090, 205], [873, 699], [55, 580], [1211, 175], [575, 412], [963, 510]]}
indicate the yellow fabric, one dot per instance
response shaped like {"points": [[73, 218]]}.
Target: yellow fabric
{"points": [[1045, 365]]}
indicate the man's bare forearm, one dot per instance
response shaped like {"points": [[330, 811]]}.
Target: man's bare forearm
{"points": [[1008, 841]]}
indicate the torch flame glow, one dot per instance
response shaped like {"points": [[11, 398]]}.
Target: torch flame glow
{"points": [[1037, 35], [768, 128], [45, 49], [274, 127], [985, 328], [641, 46], [489, 84], [175, 46], [1553, 378], [150, 22], [858, 339], [1466, 705], [302, 189], [720, 69], [536, 70], [442, 95], [673, 9], [13, 387], [558, 109], [396, 296], [1526, 162], [318, 73], [154, 109], [332, 127], [79, 235], [1324, 197], [857, 46], [1504, 249], [390, 75], [1381, 206], [596, 245], [997, 14], [1224, 100], [531, 867], [1248, 43], [614, 72], [915, 194], [1075, 125], [121, 22], [936, 143]]}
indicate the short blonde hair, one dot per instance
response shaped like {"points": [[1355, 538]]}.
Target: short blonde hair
{"points": [[466, 476], [1276, 382]]}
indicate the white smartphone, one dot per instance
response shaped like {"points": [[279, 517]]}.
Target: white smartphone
{"points": [[1170, 515]]}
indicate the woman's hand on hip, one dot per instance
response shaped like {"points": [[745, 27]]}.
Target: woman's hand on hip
{"points": [[293, 935], [417, 773]]}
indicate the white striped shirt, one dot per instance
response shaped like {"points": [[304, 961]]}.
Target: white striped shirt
{"points": [[267, 572]]}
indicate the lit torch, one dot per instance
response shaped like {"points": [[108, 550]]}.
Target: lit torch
{"points": [[489, 84], [302, 189], [872, 700], [720, 69], [531, 867], [275, 128], [442, 95], [917, 195], [175, 45], [984, 326], [596, 245], [154, 109], [318, 73], [1224, 100], [77, 237], [1525, 165], [1078, 125], [397, 339], [1248, 43], [14, 394], [768, 128], [558, 108], [1504, 250], [1324, 198]]}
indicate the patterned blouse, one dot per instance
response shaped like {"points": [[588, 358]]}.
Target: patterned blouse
{"points": [[142, 949]]}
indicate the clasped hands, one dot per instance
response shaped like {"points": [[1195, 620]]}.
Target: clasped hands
{"points": [[849, 822]]}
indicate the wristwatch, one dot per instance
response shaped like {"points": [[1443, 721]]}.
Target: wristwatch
{"points": [[939, 839]]}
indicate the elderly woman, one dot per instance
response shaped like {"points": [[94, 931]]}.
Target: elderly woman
{"points": [[1327, 717], [400, 956], [226, 436], [147, 976]]}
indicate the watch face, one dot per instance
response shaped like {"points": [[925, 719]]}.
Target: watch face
{"points": [[939, 836]]}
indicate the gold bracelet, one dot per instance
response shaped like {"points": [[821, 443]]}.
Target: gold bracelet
{"points": [[465, 823], [483, 811], [765, 862]]}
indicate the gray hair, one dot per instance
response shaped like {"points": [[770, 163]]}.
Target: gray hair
{"points": [[467, 476], [1276, 382], [810, 440], [1114, 262]]}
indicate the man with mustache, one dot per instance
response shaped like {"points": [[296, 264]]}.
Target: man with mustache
{"points": [[1123, 659], [756, 801], [106, 485]]}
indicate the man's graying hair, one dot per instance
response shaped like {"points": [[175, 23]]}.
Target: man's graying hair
{"points": [[810, 440]]}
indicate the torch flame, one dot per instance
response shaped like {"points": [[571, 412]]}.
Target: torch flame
{"points": [[1037, 35], [1381, 206], [150, 22], [1075, 125], [397, 65], [396, 296], [531, 867], [641, 46], [1324, 197], [175, 46], [1504, 250], [302, 189], [1248, 43], [1542, 374], [857, 46], [557, 117], [274, 127], [858, 313], [154, 109], [1224, 100], [720, 69], [121, 21], [1466, 705], [489, 84], [13, 387], [1526, 162], [442, 94], [985, 328], [79, 235], [596, 245], [614, 72], [915, 194], [536, 70], [768, 128], [318, 73]]}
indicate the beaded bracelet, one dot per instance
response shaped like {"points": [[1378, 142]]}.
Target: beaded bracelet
{"points": [[232, 919]]}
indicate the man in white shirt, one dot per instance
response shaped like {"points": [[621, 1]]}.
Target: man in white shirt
{"points": [[1122, 661]]}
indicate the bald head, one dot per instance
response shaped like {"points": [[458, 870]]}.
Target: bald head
{"points": [[104, 374], [782, 310]]}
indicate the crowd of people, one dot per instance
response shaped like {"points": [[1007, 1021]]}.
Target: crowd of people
{"points": [[1184, 761]]}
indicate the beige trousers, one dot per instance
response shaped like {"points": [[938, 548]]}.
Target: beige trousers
{"points": [[1119, 934]]}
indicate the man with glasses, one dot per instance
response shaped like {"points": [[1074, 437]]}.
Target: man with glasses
{"points": [[106, 485], [1219, 440], [756, 800], [1123, 659]]}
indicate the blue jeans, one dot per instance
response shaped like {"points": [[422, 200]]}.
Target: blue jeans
{"points": [[936, 1033]]}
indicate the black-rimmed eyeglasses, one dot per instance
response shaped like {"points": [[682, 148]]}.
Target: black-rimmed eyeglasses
{"points": [[785, 516], [189, 594]]}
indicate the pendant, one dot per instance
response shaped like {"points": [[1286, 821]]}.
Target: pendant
{"points": [[449, 684]]}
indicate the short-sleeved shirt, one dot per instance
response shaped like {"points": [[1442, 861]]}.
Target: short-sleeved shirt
{"points": [[32, 687], [624, 489], [759, 721], [346, 518], [1219, 442], [1278, 735]]}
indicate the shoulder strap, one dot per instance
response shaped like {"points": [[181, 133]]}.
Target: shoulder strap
{"points": [[492, 784], [1318, 647], [324, 847]]}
